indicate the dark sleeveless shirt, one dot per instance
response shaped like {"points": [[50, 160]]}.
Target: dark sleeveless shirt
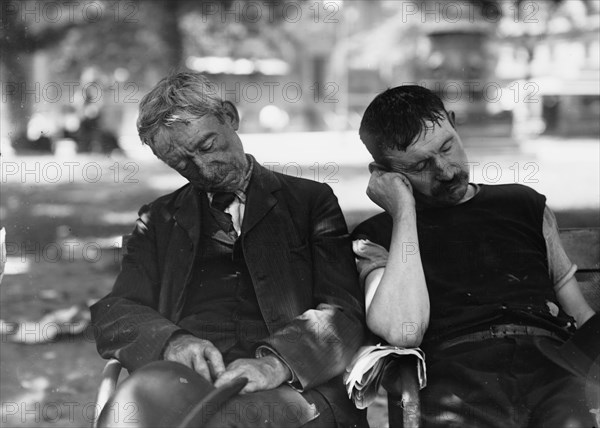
{"points": [[485, 262]]}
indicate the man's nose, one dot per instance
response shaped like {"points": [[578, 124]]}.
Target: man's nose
{"points": [[443, 170]]}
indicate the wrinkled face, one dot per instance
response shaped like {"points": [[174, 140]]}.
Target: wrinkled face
{"points": [[205, 151], [435, 164]]}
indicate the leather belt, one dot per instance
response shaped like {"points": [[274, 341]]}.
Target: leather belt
{"points": [[498, 332]]}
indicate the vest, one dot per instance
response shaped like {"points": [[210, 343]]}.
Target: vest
{"points": [[221, 305], [485, 262]]}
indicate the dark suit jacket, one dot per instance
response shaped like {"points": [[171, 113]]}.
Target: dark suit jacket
{"points": [[298, 253]]}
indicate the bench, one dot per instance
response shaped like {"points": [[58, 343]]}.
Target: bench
{"points": [[582, 245]]}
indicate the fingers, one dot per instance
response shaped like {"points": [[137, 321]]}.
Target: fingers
{"points": [[198, 354], [207, 360], [215, 361], [228, 376], [200, 366], [251, 386], [383, 179], [406, 181], [248, 368], [383, 174], [374, 166]]}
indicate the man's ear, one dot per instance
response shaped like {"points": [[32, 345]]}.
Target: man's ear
{"points": [[232, 114], [452, 118]]}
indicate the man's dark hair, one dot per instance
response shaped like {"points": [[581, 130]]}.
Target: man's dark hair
{"points": [[398, 116]]}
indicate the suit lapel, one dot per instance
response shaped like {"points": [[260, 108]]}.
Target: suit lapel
{"points": [[260, 199], [187, 213], [265, 233], [182, 249]]}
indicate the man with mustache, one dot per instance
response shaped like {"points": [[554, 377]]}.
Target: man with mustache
{"points": [[474, 274], [241, 273]]}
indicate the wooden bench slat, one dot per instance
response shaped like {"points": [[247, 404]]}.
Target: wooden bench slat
{"points": [[583, 247]]}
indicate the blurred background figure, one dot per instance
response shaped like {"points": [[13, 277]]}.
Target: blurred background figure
{"points": [[94, 134]]}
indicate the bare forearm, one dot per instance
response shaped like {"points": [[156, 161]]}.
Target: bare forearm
{"points": [[572, 301], [399, 311]]}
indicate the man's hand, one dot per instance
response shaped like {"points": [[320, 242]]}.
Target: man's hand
{"points": [[263, 373], [198, 354], [391, 191]]}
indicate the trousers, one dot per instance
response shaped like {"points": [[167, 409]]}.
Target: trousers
{"points": [[504, 383]]}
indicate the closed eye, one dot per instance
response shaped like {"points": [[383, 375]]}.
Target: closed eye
{"points": [[446, 147], [420, 166], [207, 143]]}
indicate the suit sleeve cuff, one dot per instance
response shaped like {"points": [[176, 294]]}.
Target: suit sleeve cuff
{"points": [[264, 350]]}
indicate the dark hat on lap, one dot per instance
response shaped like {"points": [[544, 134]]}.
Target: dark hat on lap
{"points": [[166, 394]]}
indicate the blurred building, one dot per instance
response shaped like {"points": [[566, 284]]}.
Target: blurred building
{"points": [[508, 73], [561, 66], [453, 53]]}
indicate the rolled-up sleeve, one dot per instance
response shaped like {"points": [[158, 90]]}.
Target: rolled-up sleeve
{"points": [[369, 256], [560, 268]]}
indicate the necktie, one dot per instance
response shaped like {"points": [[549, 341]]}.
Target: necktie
{"points": [[221, 200]]}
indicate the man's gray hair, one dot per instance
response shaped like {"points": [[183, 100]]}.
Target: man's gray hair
{"points": [[176, 98]]}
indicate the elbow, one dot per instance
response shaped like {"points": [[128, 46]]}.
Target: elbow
{"points": [[401, 333]]}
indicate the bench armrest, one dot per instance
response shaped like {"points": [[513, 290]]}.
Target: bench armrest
{"points": [[110, 376], [401, 381]]}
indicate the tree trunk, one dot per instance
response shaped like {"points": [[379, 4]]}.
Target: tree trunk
{"points": [[166, 13], [16, 66]]}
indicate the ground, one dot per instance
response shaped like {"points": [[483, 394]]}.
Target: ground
{"points": [[63, 218]]}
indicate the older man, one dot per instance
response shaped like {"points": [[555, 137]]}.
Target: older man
{"points": [[475, 274], [241, 272]]}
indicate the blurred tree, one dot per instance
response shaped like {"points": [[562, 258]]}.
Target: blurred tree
{"points": [[103, 35], [22, 34], [143, 39]]}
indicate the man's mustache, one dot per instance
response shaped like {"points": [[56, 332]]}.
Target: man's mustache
{"points": [[461, 176]]}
